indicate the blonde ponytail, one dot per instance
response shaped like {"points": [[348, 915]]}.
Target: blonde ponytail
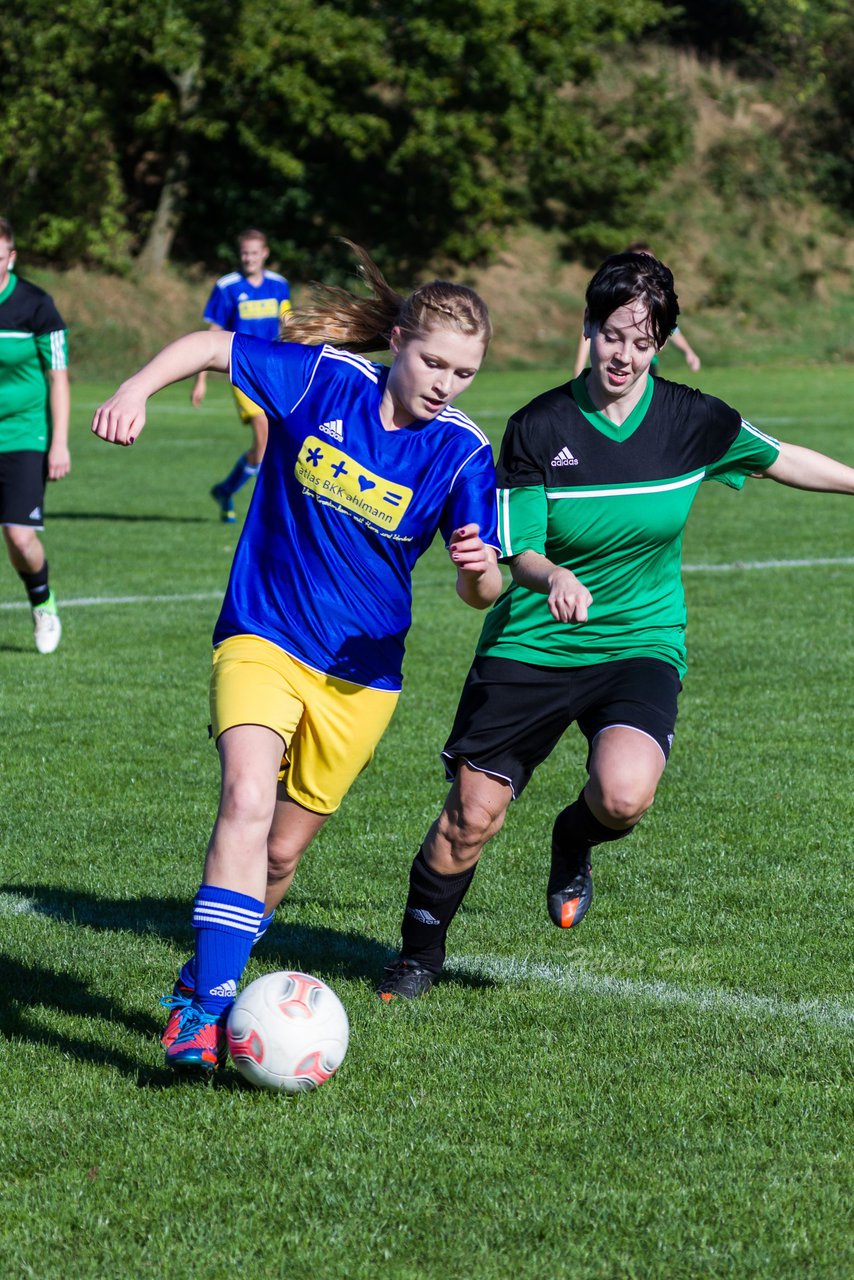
{"points": [[358, 323]]}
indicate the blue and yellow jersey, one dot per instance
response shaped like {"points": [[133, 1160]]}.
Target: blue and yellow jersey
{"points": [[241, 307], [342, 509]]}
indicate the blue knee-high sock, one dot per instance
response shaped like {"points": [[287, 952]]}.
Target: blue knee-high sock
{"points": [[239, 475], [187, 976], [226, 924]]}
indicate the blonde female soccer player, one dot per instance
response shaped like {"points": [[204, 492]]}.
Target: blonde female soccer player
{"points": [[364, 464]]}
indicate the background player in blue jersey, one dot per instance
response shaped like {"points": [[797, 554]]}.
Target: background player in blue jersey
{"points": [[251, 300], [596, 481], [364, 464]]}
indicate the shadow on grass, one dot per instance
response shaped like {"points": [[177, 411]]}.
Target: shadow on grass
{"points": [[30, 986], [350, 957], [345, 957]]}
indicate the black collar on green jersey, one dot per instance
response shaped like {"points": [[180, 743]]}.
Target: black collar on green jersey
{"points": [[613, 430], [13, 280]]}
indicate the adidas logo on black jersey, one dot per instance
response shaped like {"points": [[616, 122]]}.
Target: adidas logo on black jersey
{"points": [[334, 429], [565, 459]]}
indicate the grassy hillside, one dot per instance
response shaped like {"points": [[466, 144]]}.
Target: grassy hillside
{"points": [[764, 273]]}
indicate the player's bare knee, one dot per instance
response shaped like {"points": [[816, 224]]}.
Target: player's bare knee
{"points": [[623, 806], [245, 800], [467, 827], [20, 540], [282, 860]]}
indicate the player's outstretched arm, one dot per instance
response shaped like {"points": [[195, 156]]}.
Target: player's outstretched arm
{"points": [[478, 575], [802, 468], [120, 419], [569, 599]]}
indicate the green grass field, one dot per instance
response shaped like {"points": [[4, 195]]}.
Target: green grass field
{"points": [[663, 1093]]}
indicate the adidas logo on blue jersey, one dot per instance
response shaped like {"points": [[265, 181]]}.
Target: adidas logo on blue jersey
{"points": [[334, 429], [565, 459]]}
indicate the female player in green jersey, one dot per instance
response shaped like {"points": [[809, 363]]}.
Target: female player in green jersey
{"points": [[596, 479]]}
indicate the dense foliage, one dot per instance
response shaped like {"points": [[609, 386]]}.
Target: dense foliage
{"points": [[422, 128]]}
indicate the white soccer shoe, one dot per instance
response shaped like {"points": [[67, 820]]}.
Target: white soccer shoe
{"points": [[47, 628]]}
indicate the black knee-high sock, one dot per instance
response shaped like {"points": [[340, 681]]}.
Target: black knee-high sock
{"points": [[432, 903], [36, 585], [576, 830]]}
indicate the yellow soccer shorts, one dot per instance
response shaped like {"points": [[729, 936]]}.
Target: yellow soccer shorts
{"points": [[247, 408], [330, 727]]}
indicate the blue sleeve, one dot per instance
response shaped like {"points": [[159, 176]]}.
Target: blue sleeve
{"points": [[218, 309], [473, 498], [273, 374]]}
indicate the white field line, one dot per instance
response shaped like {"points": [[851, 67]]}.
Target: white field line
{"points": [[826, 1013], [509, 971], [85, 601], [733, 566], [767, 564]]}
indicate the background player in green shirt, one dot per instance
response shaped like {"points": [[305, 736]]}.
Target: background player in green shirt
{"points": [[596, 480], [34, 409]]}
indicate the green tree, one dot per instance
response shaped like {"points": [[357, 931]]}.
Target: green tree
{"points": [[421, 127], [413, 126], [60, 176]]}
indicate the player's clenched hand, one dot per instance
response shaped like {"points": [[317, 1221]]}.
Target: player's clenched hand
{"points": [[468, 552], [120, 419], [58, 461], [569, 599]]}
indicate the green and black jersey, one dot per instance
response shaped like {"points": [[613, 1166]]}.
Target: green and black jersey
{"points": [[610, 503], [33, 340]]}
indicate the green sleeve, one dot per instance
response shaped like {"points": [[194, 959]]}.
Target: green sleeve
{"points": [[53, 349], [751, 451], [522, 519]]}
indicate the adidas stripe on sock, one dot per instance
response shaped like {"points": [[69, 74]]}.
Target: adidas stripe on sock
{"points": [[187, 976], [226, 925], [431, 905]]}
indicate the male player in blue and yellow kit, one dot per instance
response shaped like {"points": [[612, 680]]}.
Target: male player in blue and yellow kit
{"points": [[253, 301], [364, 464]]}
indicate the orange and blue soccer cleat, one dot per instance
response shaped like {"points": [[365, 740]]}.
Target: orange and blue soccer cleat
{"points": [[200, 1043], [181, 996]]}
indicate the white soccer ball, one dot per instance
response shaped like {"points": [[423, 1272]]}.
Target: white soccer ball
{"points": [[287, 1031]]}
